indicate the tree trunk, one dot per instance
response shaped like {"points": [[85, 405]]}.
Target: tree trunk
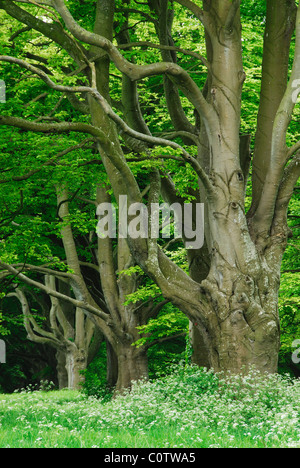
{"points": [[200, 354], [62, 375], [76, 362], [132, 366], [112, 366], [240, 328]]}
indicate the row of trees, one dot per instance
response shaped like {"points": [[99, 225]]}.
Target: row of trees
{"points": [[147, 100]]}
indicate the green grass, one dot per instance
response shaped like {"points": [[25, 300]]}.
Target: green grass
{"points": [[190, 409]]}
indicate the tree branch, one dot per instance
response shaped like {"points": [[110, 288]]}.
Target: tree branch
{"points": [[265, 212], [36, 2], [57, 128], [232, 14], [106, 264], [31, 325], [41, 269], [292, 150], [149, 344], [278, 31], [287, 186], [139, 12], [165, 47], [195, 9], [81, 304]]}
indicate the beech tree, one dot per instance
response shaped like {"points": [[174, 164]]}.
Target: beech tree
{"points": [[230, 294], [75, 338]]}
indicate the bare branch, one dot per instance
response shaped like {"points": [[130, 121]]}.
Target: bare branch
{"points": [[293, 149], [106, 263], [62, 127], [287, 186], [149, 344], [41, 269], [37, 2], [34, 331], [181, 134], [81, 304], [195, 9], [265, 211], [17, 33], [165, 47], [139, 12]]}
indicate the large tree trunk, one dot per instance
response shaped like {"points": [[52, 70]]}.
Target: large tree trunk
{"points": [[244, 324], [76, 362], [236, 318], [132, 366]]}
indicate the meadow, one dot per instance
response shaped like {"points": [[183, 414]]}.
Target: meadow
{"points": [[190, 408]]}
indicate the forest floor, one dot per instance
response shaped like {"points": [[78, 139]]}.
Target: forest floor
{"points": [[190, 408]]}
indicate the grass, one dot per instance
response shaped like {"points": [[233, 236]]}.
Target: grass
{"points": [[191, 408]]}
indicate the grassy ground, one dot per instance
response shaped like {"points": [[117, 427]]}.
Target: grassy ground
{"points": [[194, 409]]}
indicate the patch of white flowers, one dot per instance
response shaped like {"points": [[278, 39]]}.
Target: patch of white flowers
{"points": [[190, 405]]}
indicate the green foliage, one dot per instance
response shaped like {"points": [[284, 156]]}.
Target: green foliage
{"points": [[27, 363], [289, 295], [289, 308], [95, 382], [3, 331], [170, 322]]}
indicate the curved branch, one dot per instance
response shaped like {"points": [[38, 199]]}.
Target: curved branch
{"points": [[81, 304], [287, 186], [139, 12], [62, 127], [293, 149], [165, 47], [37, 2], [182, 134], [41, 269], [149, 344], [196, 10], [31, 325]]}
